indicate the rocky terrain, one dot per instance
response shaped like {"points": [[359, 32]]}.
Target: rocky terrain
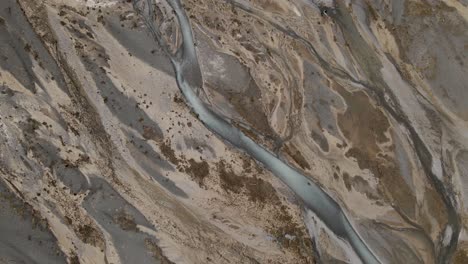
{"points": [[233, 131]]}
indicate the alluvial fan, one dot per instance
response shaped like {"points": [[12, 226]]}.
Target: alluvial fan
{"points": [[233, 131]]}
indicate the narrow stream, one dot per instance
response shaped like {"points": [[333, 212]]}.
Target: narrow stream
{"points": [[186, 68]]}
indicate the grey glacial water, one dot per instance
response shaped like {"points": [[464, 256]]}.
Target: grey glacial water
{"points": [[186, 66]]}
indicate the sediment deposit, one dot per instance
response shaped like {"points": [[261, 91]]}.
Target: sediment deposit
{"points": [[232, 131]]}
